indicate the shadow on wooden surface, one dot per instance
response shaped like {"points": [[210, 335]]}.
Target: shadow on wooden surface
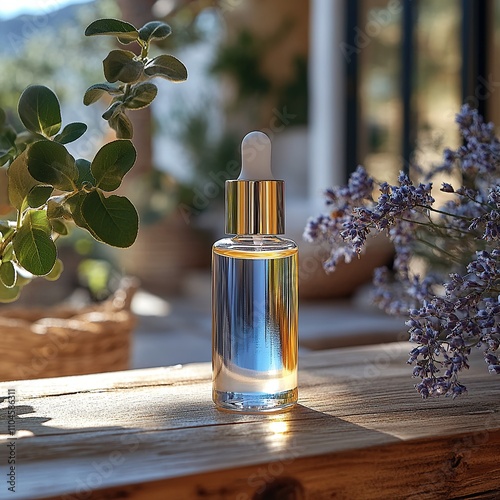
{"points": [[360, 432]]}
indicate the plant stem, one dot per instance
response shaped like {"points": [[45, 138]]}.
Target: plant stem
{"points": [[435, 247], [6, 241], [435, 226], [444, 213]]}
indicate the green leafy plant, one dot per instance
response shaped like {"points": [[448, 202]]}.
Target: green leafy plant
{"points": [[131, 71], [49, 188]]}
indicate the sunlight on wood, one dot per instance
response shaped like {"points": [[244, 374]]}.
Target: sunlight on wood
{"points": [[157, 434]]}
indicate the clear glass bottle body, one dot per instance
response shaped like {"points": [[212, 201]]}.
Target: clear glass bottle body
{"points": [[254, 323]]}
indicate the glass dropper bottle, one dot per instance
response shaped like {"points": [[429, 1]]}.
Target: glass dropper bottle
{"points": [[254, 292]]}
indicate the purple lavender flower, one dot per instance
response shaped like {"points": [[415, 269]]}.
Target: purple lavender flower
{"points": [[336, 227], [455, 306], [480, 154], [447, 188], [359, 186]]}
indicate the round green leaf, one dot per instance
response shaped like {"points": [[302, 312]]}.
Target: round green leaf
{"points": [[5, 142], [4, 158], [113, 110], [8, 138], [84, 173], [95, 92], [10, 134], [71, 132], [5, 227], [122, 125], [20, 181], [34, 248], [121, 65], [39, 195], [112, 220], [8, 274], [113, 27], [6, 147], [37, 219], [55, 210], [35, 251], [50, 162], [8, 252], [168, 67], [74, 205], [142, 95], [59, 227], [9, 294], [112, 162], [39, 110], [56, 271], [154, 30]]}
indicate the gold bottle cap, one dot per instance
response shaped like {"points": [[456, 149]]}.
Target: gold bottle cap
{"points": [[255, 201]]}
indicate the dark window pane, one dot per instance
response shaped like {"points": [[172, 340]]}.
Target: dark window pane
{"points": [[379, 129], [493, 77], [437, 95]]}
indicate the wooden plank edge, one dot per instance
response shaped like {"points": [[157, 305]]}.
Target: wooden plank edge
{"points": [[457, 467]]}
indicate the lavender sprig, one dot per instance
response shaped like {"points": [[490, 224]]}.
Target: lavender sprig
{"points": [[455, 306]]}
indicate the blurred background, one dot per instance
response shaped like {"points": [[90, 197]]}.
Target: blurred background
{"points": [[334, 83]]}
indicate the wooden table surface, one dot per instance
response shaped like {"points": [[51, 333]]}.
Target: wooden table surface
{"points": [[360, 431]]}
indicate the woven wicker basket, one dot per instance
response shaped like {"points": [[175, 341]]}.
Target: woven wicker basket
{"points": [[54, 342]]}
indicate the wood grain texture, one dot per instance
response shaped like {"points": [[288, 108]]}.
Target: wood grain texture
{"points": [[359, 432]]}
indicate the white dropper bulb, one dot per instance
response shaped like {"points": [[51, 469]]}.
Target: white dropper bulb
{"points": [[256, 157]]}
